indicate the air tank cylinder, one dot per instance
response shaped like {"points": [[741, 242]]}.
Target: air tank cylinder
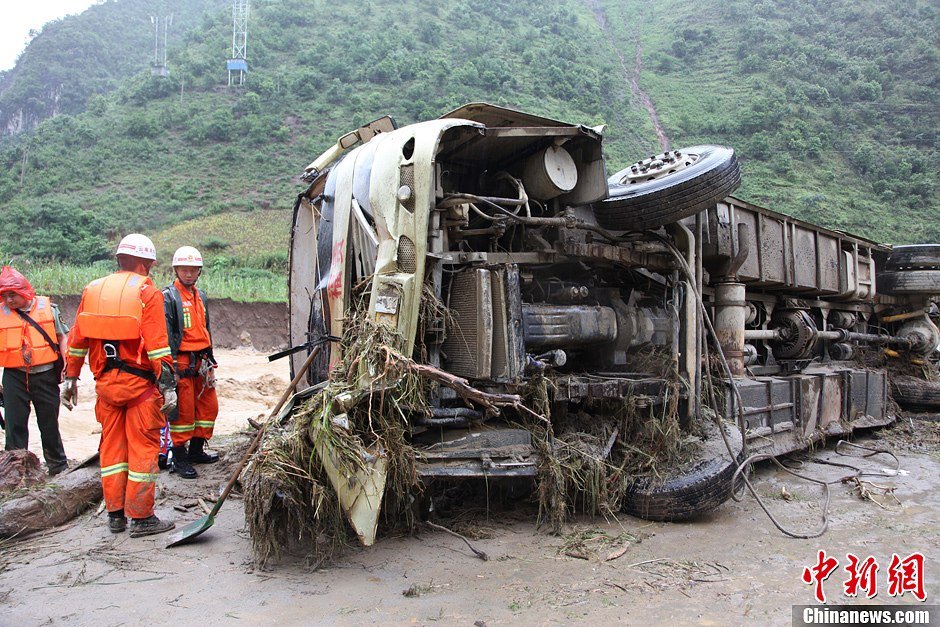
{"points": [[731, 312]]}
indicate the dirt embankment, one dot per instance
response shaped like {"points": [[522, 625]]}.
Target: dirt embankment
{"points": [[262, 326]]}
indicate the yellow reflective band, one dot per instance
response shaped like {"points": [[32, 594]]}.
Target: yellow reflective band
{"points": [[114, 469], [180, 428], [158, 353], [142, 477], [77, 352], [205, 423]]}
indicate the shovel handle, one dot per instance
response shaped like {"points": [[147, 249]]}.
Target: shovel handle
{"points": [[257, 440]]}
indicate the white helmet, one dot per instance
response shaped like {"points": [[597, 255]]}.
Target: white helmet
{"points": [[187, 256], [137, 245]]}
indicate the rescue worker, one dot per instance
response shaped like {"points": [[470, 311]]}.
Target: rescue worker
{"points": [[32, 345], [187, 323], [120, 327]]}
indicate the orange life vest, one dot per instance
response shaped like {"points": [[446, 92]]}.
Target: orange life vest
{"points": [[20, 344], [111, 307]]}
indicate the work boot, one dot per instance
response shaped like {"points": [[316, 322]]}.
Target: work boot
{"points": [[162, 461], [197, 455], [149, 526], [116, 521], [58, 468], [181, 464]]}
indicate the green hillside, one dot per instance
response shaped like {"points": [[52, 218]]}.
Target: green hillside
{"points": [[832, 107], [74, 58]]}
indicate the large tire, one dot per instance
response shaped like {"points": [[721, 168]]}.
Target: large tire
{"points": [[916, 394], [910, 282], [319, 370], [666, 188], [915, 257], [693, 488]]}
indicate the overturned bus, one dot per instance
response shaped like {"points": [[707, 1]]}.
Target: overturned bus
{"points": [[498, 250]]}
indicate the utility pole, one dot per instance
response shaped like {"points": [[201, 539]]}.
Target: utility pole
{"points": [[158, 66], [166, 28], [237, 64]]}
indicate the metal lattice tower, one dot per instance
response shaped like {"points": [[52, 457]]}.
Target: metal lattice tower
{"points": [[238, 63], [159, 67]]}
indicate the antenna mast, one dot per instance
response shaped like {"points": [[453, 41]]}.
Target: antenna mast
{"points": [[238, 63], [158, 67]]}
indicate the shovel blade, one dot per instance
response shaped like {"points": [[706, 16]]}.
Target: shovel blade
{"points": [[190, 531]]}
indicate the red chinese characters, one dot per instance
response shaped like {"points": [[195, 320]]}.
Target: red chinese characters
{"points": [[903, 575], [906, 575], [334, 286], [861, 575], [819, 573]]}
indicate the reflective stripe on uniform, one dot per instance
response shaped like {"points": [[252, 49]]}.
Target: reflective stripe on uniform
{"points": [[205, 423], [142, 477], [181, 428], [114, 469], [157, 353], [77, 352]]}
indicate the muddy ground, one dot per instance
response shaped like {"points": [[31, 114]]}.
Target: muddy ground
{"points": [[731, 567]]}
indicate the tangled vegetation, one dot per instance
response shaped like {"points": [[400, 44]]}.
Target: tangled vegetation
{"points": [[288, 496], [364, 411]]}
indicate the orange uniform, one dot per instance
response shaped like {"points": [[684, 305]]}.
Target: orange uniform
{"points": [[188, 321], [129, 402], [23, 346], [31, 358]]}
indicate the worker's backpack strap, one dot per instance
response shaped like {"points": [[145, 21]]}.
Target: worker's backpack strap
{"points": [[195, 363], [205, 308], [59, 361], [173, 310], [114, 362]]}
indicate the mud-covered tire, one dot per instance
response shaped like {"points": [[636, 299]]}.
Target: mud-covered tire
{"points": [[909, 282], [692, 488], [319, 370], [634, 204], [916, 394], [914, 257]]}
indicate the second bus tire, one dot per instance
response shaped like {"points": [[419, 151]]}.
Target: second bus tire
{"points": [[693, 488], [711, 173]]}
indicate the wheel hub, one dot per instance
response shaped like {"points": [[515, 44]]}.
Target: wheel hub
{"points": [[798, 333], [657, 166]]}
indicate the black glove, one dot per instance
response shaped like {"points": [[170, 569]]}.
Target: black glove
{"points": [[167, 386]]}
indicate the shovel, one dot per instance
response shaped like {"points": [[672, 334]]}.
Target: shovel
{"points": [[196, 527]]}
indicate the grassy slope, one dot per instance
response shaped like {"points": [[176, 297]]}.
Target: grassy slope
{"points": [[707, 97], [238, 284], [217, 168]]}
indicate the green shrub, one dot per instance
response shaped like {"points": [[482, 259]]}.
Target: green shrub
{"points": [[214, 244]]}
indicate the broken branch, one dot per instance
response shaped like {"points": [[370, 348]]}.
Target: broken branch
{"points": [[491, 401], [483, 556]]}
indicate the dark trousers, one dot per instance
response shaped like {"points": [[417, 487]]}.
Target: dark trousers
{"points": [[43, 393]]}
